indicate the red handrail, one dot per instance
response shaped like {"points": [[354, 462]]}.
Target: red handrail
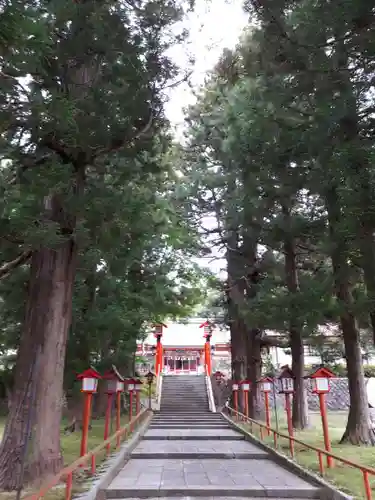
{"points": [[67, 472], [366, 471]]}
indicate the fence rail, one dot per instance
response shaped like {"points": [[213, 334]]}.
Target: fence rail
{"points": [[264, 429], [67, 472]]}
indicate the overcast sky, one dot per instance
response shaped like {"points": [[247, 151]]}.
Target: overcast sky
{"points": [[214, 25]]}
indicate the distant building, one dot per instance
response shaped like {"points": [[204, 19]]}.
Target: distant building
{"points": [[183, 346]]}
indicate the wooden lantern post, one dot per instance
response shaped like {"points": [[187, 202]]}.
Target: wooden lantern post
{"points": [[207, 334], [286, 387], [150, 378], [129, 383], [89, 379], [235, 398], [115, 386], [320, 385], [137, 388], [245, 386], [266, 388]]}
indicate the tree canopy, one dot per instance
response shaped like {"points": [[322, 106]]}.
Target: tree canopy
{"points": [[280, 152]]}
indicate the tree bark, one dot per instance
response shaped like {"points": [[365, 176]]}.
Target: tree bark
{"points": [[37, 400], [40, 361], [254, 371], [300, 410], [358, 173], [358, 429]]}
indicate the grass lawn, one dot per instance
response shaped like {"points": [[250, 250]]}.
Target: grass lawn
{"points": [[70, 444], [346, 478]]}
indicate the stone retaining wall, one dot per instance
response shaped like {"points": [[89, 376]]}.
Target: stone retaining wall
{"points": [[337, 399]]}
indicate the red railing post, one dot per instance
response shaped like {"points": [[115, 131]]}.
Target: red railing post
{"points": [[86, 422], [267, 409], [107, 420], [69, 486], [93, 464], [321, 464], [118, 417], [130, 409], [366, 471], [367, 485], [327, 442], [288, 410]]}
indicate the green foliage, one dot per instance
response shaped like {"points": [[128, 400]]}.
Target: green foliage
{"points": [[89, 97], [266, 138]]}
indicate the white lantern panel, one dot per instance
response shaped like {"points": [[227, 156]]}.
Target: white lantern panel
{"points": [[119, 386], [89, 384], [138, 387], [322, 384], [235, 387], [287, 384], [266, 386], [245, 387], [130, 387]]}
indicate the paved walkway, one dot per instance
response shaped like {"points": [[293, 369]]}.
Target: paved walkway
{"points": [[197, 454]]}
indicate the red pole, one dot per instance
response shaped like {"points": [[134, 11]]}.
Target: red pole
{"points": [[85, 422], [131, 409], [246, 396], [209, 358], [137, 402], [157, 358], [161, 358], [107, 419], [323, 413], [118, 415], [235, 402], [267, 405], [289, 420]]}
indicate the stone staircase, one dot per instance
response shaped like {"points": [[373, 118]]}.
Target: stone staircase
{"points": [[190, 452], [182, 394]]}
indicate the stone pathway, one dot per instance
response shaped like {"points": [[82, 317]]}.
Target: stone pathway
{"points": [[197, 454]]}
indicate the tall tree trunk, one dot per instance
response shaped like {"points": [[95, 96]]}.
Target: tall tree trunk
{"points": [[37, 398], [358, 429], [39, 369], [300, 410], [254, 371], [358, 173]]}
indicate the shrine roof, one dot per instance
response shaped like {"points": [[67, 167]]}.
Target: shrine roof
{"points": [[189, 335]]}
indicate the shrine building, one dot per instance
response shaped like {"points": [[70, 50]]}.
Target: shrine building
{"points": [[183, 348]]}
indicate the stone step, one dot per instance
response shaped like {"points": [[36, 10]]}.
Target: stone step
{"points": [[212, 492], [186, 426], [182, 401], [218, 425], [202, 437], [183, 418], [181, 396], [149, 478], [195, 449], [186, 421], [182, 406], [171, 408], [207, 498], [189, 456], [190, 412]]}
